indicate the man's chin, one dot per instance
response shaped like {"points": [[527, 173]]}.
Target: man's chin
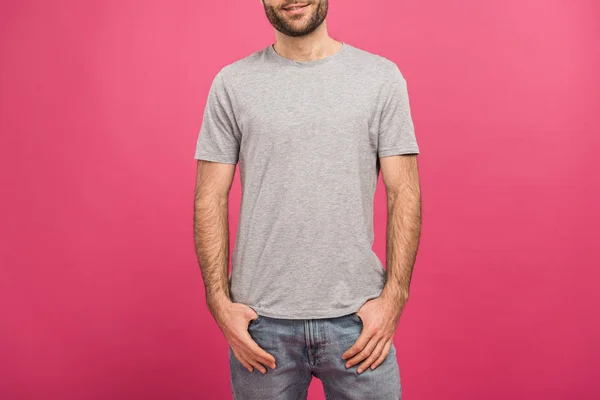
{"points": [[298, 31], [297, 18]]}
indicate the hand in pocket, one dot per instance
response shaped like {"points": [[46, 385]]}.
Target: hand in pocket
{"points": [[233, 320]]}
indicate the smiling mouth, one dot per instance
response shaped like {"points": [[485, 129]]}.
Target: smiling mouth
{"points": [[296, 8]]}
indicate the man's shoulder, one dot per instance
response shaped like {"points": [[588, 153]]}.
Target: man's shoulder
{"points": [[370, 56], [244, 65], [377, 64]]}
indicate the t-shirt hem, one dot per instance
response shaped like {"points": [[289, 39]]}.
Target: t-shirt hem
{"points": [[309, 314], [397, 151], [222, 158]]}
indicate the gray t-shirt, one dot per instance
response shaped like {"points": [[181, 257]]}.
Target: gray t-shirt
{"points": [[307, 136]]}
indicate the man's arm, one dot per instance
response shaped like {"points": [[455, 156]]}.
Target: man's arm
{"points": [[401, 178], [211, 230], [211, 238], [380, 315]]}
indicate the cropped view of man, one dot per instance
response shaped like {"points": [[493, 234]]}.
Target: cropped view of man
{"points": [[311, 121]]}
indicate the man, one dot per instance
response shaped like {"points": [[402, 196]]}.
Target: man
{"points": [[311, 122]]}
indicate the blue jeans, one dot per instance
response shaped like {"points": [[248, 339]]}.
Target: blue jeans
{"points": [[306, 347]]}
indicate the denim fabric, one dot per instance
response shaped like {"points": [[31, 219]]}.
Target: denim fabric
{"points": [[306, 347]]}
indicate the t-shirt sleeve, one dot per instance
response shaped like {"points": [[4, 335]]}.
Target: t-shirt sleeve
{"points": [[396, 129], [219, 136]]}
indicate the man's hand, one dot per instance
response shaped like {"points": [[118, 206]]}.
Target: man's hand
{"points": [[233, 319], [380, 318]]}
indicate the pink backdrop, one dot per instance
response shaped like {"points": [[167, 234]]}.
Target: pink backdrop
{"points": [[100, 107]]}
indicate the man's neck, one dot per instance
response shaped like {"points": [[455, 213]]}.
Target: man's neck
{"points": [[306, 48]]}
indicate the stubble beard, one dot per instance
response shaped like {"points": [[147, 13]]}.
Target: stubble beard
{"points": [[289, 27]]}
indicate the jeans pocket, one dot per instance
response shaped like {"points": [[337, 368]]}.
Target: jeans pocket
{"points": [[255, 321], [356, 317]]}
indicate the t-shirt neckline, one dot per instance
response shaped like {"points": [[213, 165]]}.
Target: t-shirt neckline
{"points": [[323, 60]]}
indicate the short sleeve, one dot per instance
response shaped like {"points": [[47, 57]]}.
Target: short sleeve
{"points": [[219, 137], [396, 129]]}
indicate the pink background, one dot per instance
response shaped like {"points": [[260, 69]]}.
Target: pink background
{"points": [[100, 106]]}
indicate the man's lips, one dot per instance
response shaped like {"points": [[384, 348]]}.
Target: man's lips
{"points": [[296, 8]]}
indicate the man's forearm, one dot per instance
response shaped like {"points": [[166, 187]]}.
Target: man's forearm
{"points": [[403, 234], [211, 236]]}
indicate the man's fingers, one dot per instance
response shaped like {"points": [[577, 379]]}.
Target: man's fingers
{"points": [[257, 365], [364, 353], [258, 353], [253, 352], [251, 355], [360, 344], [242, 360], [372, 357], [263, 357], [248, 360], [384, 354]]}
